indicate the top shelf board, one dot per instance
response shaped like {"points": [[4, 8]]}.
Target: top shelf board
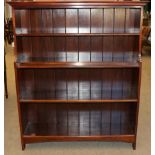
{"points": [[74, 3]]}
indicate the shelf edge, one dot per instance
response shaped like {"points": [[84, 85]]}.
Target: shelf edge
{"points": [[123, 138], [77, 101]]}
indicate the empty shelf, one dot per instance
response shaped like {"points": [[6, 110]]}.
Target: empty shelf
{"points": [[78, 120]]}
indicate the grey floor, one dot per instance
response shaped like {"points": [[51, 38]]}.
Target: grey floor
{"points": [[12, 137]]}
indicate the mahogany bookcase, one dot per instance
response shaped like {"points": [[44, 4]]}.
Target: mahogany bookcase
{"points": [[78, 69]]}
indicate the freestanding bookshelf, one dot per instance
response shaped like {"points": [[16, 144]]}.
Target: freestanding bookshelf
{"points": [[78, 69]]}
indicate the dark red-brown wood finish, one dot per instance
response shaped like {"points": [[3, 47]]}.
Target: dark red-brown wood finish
{"points": [[78, 69]]}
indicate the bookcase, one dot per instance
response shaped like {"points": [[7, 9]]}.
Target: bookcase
{"points": [[78, 69]]}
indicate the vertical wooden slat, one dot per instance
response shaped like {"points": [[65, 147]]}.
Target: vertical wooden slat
{"points": [[61, 85], [96, 20], [27, 85], [37, 44], [51, 119], [117, 84], [72, 49], [84, 49], [84, 123], [59, 20], [47, 21], [84, 20], [71, 20], [23, 51], [137, 24], [61, 122], [35, 21], [119, 49], [65, 38], [115, 119], [18, 21], [132, 20], [25, 26], [108, 20], [127, 85], [59, 49], [126, 125], [96, 84], [107, 84], [95, 122], [128, 53], [48, 49], [78, 32], [106, 119], [73, 123], [96, 49], [72, 83], [136, 46], [84, 85], [108, 43], [119, 21]]}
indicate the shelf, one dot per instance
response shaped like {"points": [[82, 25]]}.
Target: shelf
{"points": [[72, 95], [73, 34], [78, 22], [79, 101], [104, 51], [123, 138], [44, 129], [76, 65], [80, 84], [78, 120]]}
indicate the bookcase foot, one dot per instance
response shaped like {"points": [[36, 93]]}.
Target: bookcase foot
{"points": [[6, 95], [134, 146], [23, 146]]}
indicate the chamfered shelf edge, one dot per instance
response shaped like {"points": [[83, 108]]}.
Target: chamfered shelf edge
{"points": [[74, 3], [124, 138], [74, 34], [76, 65], [78, 101]]}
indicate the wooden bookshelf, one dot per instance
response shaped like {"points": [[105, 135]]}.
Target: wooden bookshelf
{"points": [[78, 69]]}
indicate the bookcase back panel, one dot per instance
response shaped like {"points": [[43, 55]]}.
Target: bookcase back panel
{"points": [[58, 21], [79, 84], [78, 49], [72, 19], [78, 119], [97, 17], [106, 20]]}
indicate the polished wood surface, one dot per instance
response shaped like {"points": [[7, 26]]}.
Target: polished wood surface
{"points": [[46, 64], [77, 84], [78, 69], [37, 139], [110, 1], [86, 21], [79, 101], [78, 120], [74, 3], [78, 49]]}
